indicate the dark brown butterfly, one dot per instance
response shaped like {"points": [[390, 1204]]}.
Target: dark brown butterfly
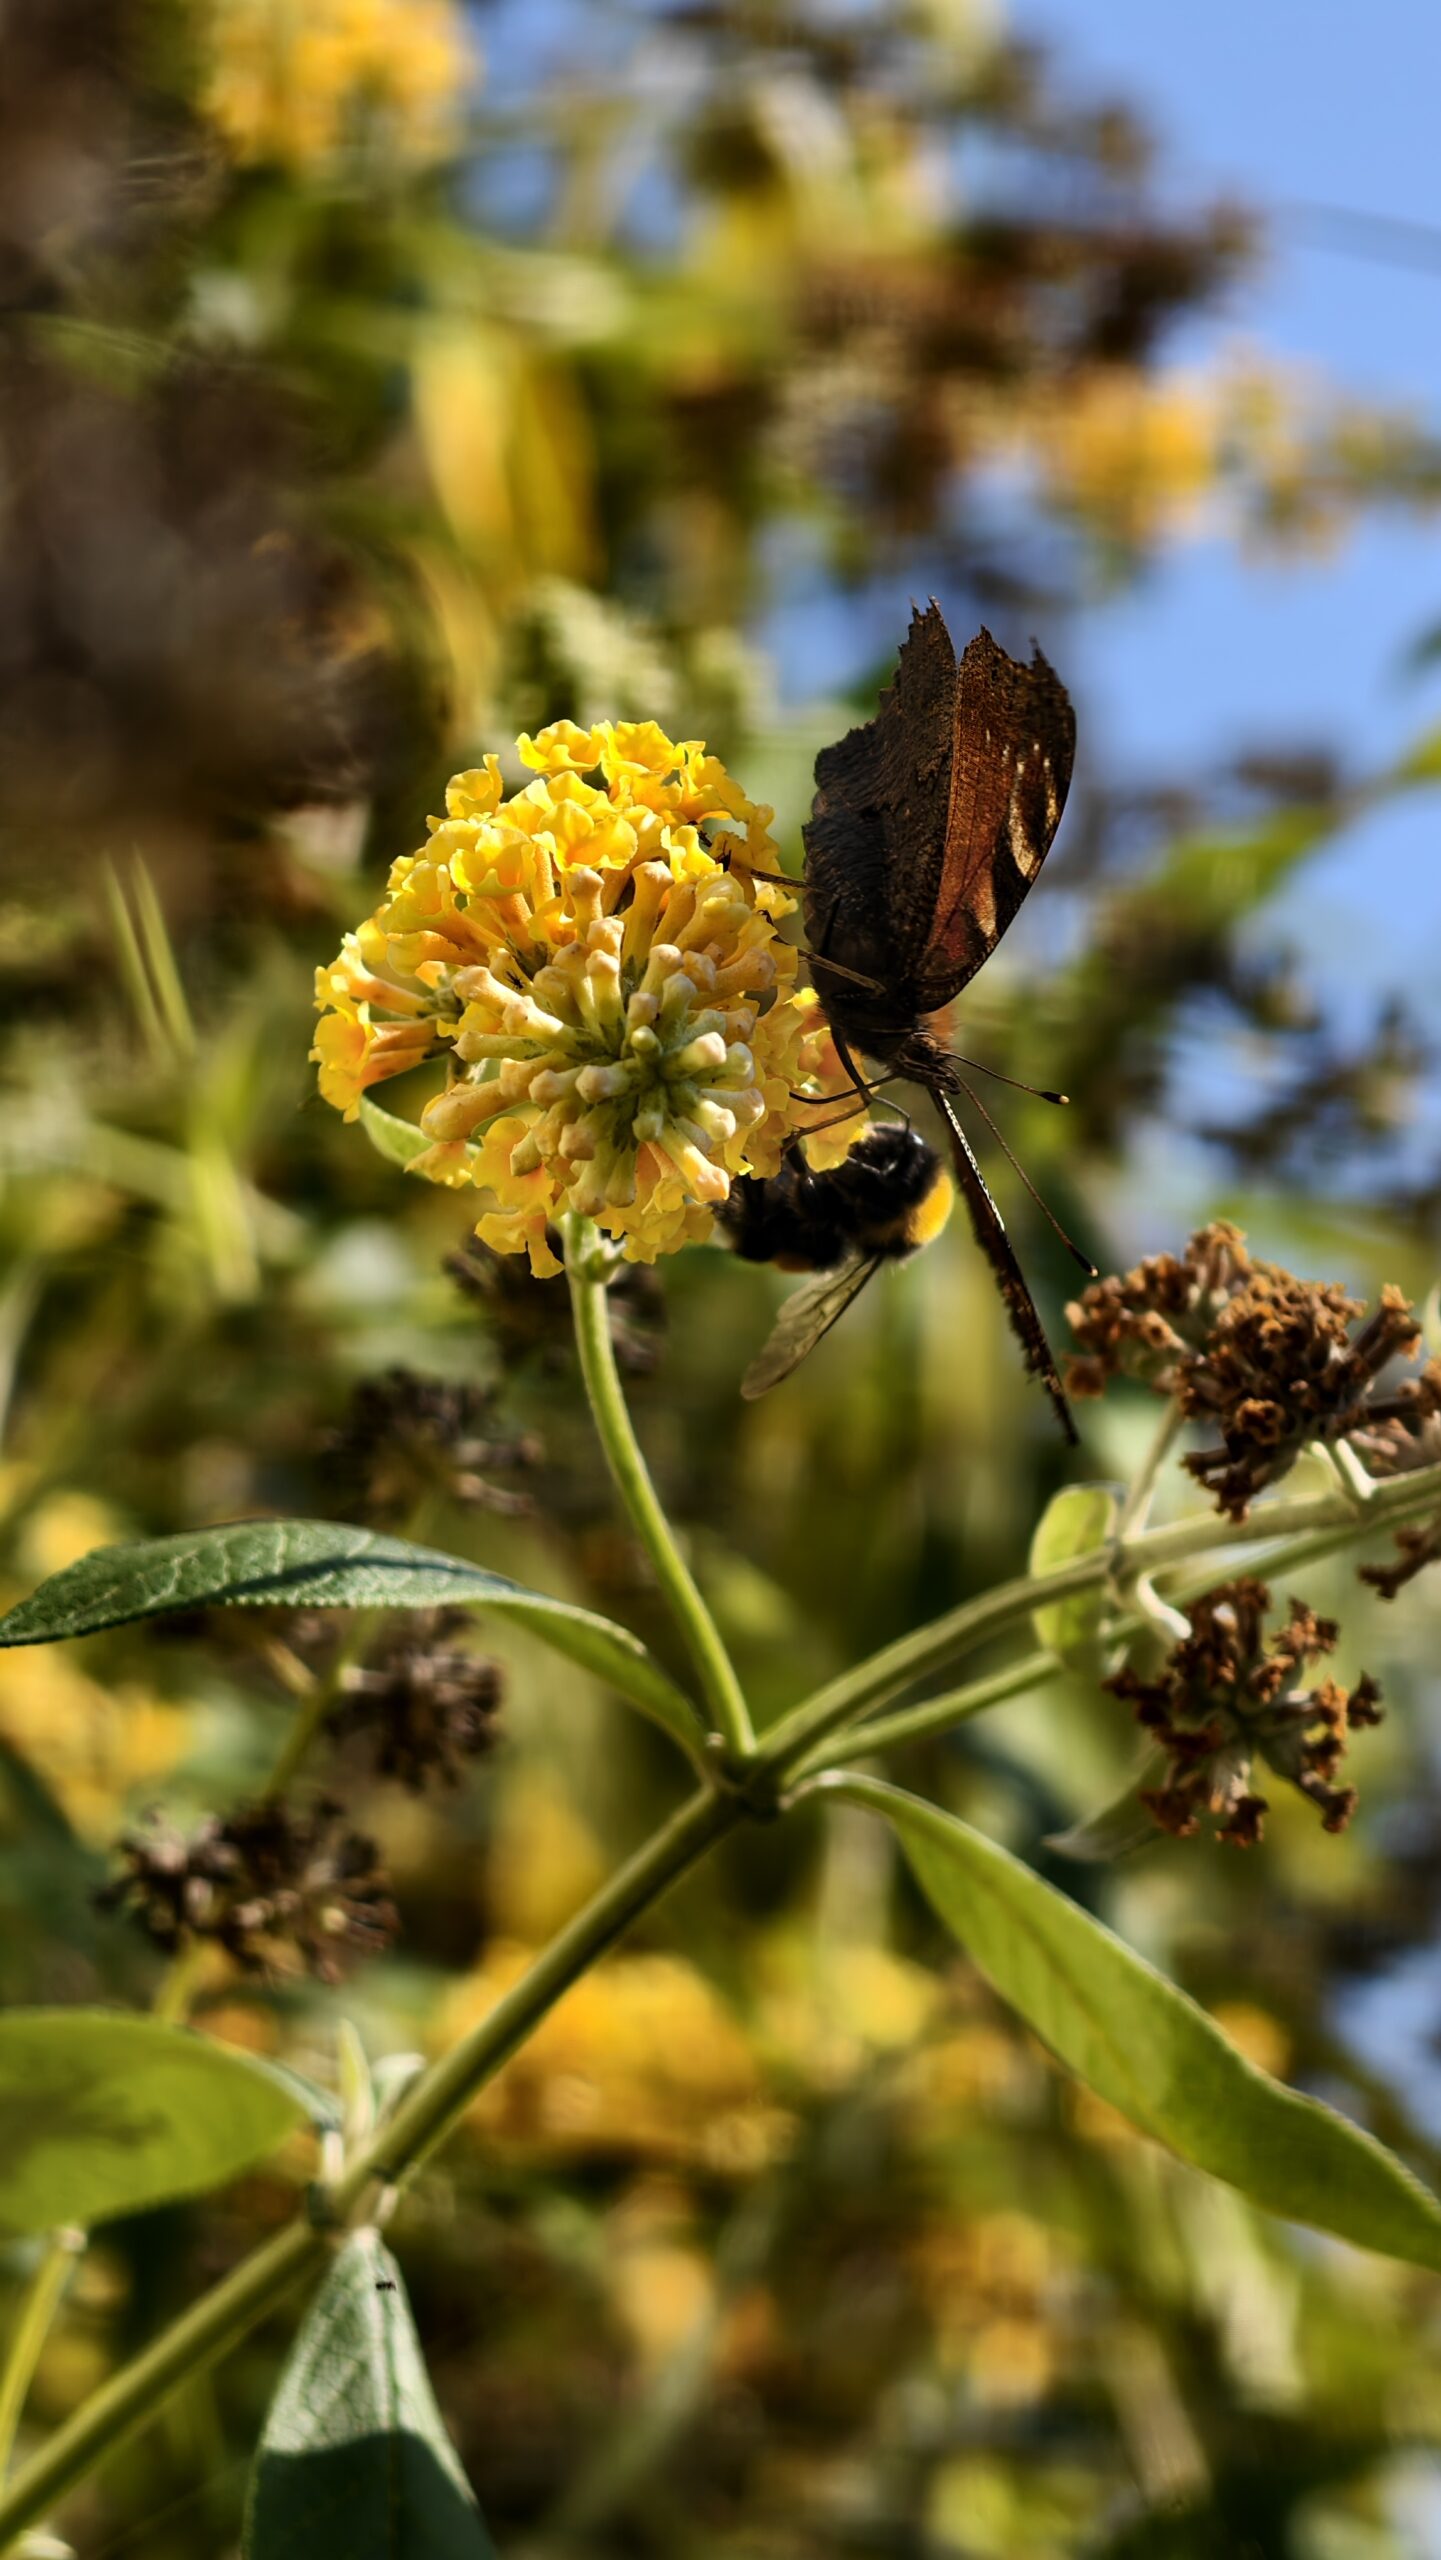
{"points": [[929, 825], [888, 1198]]}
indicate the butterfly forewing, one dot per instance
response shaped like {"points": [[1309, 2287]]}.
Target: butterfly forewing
{"points": [[1013, 746], [808, 1313]]}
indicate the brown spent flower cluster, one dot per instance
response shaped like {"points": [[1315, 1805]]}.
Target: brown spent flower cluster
{"points": [[283, 1893], [424, 1709], [1407, 1437], [1228, 1696], [406, 1435], [1268, 1361], [1147, 1323]]}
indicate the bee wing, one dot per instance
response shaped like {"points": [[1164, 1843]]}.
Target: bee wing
{"points": [[809, 1312]]}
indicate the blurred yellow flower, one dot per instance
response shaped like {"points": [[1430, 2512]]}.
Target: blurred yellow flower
{"points": [[295, 81], [1132, 453], [623, 1027], [92, 1747], [639, 2057]]}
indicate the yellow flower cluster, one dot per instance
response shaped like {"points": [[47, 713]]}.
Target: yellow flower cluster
{"points": [[621, 1018], [294, 81]]}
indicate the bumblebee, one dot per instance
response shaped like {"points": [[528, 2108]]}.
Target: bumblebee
{"points": [[890, 1196]]}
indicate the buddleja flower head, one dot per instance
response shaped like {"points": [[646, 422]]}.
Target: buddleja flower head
{"points": [[620, 1014]]}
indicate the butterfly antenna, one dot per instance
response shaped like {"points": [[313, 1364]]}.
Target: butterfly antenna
{"points": [[1037, 1092], [1072, 1248]]}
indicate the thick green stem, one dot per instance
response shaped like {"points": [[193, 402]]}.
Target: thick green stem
{"points": [[719, 1685], [39, 2304], [130, 2399]]}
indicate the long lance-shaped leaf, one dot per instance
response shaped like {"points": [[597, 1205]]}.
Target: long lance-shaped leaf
{"points": [[1126, 2031], [355, 2461], [320, 1564]]}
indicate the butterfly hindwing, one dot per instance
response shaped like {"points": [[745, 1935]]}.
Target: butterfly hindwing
{"points": [[1013, 747]]}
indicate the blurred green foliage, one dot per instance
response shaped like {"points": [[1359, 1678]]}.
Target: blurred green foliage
{"points": [[364, 403]]}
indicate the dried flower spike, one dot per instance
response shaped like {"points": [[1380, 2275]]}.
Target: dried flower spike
{"points": [[1228, 1696], [1145, 1323], [1269, 1361], [1283, 1367], [1408, 1435], [282, 1892], [406, 1436], [425, 1709]]}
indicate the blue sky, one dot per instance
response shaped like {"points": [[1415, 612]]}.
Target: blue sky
{"points": [[1291, 107]]}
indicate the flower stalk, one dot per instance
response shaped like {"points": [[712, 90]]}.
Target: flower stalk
{"points": [[41, 2300], [586, 1264]]}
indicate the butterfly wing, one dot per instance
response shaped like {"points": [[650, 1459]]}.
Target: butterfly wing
{"points": [[990, 1234], [808, 1313], [875, 842], [1013, 748]]}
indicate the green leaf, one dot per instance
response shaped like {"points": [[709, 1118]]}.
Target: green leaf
{"points": [[322, 1564], [354, 2459], [1077, 1520], [1116, 1828], [1130, 2035], [102, 2113], [399, 1141]]}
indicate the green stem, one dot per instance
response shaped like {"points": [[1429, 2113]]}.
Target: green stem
{"points": [[180, 1982], [1137, 1503], [204, 2333], [1306, 1529], [719, 1685], [39, 2304], [935, 1715], [307, 1722], [913, 1657]]}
